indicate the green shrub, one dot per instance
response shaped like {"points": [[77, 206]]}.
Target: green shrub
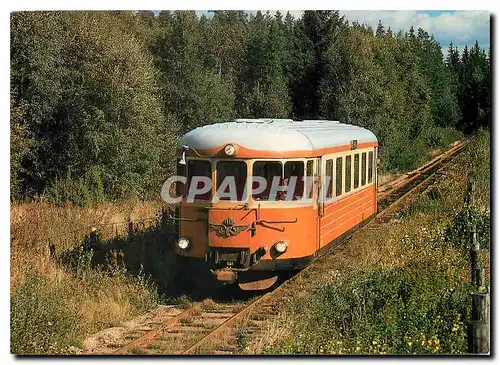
{"points": [[458, 233], [41, 320], [479, 161], [439, 137], [403, 155], [80, 191], [415, 309]]}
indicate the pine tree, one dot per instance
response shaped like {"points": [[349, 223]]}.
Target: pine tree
{"points": [[380, 29]]}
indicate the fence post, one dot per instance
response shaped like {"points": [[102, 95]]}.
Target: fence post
{"points": [[473, 256], [479, 342], [479, 327], [52, 251], [130, 227], [93, 236]]}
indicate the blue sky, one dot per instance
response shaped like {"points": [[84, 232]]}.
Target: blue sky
{"points": [[459, 27]]}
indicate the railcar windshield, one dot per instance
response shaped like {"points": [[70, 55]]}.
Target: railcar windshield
{"points": [[231, 180], [199, 172]]}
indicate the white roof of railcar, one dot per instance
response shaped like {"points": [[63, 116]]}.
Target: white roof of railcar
{"points": [[277, 135]]}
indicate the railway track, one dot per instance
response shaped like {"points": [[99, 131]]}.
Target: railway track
{"points": [[219, 328]]}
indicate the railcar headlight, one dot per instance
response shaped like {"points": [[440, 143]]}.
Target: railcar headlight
{"points": [[229, 150], [183, 243], [281, 246]]}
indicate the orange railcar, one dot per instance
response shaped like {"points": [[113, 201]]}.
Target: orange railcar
{"points": [[251, 233]]}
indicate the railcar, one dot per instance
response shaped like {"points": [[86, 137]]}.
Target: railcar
{"points": [[252, 234]]}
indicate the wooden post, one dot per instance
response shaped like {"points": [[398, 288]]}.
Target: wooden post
{"points": [[163, 217], [93, 236], [479, 327], [130, 228], [52, 251], [481, 281], [473, 256], [479, 342]]}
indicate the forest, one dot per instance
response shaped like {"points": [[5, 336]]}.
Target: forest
{"points": [[100, 99]]}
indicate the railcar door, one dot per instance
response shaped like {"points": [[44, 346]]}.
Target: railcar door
{"points": [[315, 174], [326, 193]]}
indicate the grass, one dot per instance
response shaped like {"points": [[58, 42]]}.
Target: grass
{"points": [[401, 289], [57, 301]]}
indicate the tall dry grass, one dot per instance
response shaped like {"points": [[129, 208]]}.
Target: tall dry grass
{"points": [[55, 306]]}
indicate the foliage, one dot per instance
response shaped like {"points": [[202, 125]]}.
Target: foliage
{"points": [[99, 99], [471, 73], [87, 90], [415, 309], [458, 233], [40, 321], [58, 300], [48, 316]]}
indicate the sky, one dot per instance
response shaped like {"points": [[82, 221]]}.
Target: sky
{"points": [[460, 27]]}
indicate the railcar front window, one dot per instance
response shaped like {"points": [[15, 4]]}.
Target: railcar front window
{"points": [[267, 170], [232, 175], [199, 169], [294, 170]]}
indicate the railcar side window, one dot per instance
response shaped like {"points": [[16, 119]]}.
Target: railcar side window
{"points": [[294, 169], [329, 178], [338, 177], [235, 174], [309, 178], [363, 169], [267, 170], [356, 170], [199, 168], [347, 173], [370, 167]]}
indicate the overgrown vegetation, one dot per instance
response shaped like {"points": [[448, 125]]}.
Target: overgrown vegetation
{"points": [[61, 295], [404, 289], [51, 313], [99, 99]]}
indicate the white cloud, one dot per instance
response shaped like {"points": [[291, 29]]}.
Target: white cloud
{"points": [[295, 13], [459, 27]]}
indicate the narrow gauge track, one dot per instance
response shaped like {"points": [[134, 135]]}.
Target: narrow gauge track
{"points": [[215, 328]]}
